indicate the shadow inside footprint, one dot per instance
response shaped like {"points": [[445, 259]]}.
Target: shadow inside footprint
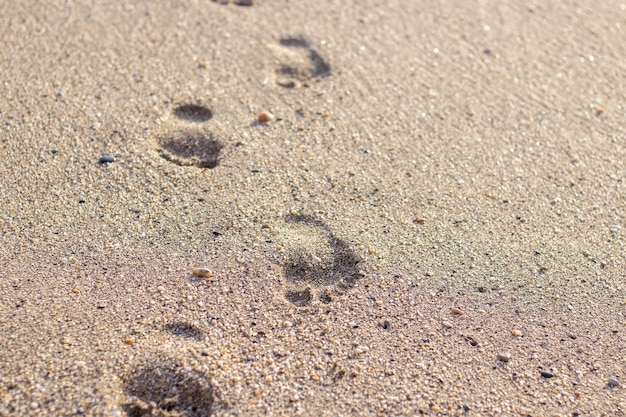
{"points": [[184, 329], [191, 149], [193, 113], [299, 62], [168, 389], [299, 298], [338, 269]]}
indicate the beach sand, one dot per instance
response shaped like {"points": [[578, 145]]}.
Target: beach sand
{"points": [[433, 223]]}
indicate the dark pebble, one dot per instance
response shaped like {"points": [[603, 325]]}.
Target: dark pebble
{"points": [[104, 159], [547, 374]]}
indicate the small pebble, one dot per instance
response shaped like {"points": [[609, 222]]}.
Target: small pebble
{"points": [[104, 159], [504, 357], [446, 324], [202, 272], [614, 382], [516, 333], [457, 311], [269, 378], [266, 117], [547, 374]]}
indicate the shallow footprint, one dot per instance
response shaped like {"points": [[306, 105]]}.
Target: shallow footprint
{"points": [[165, 388], [190, 148], [319, 265], [193, 113], [299, 63]]}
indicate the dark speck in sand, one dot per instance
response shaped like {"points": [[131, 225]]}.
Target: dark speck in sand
{"points": [[106, 159]]}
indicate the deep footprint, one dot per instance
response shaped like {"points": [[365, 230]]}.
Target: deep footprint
{"points": [[299, 63], [167, 389], [191, 149], [336, 268]]}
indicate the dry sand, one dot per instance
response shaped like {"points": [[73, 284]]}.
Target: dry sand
{"points": [[426, 156]]}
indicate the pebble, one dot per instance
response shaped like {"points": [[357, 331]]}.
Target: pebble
{"points": [[266, 117], [446, 324], [547, 374], [516, 333], [614, 382], [202, 272], [457, 311], [104, 159], [504, 357]]}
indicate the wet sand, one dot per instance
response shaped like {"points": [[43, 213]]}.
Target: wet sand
{"points": [[434, 223]]}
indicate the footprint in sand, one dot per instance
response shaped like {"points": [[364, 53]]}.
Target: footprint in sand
{"points": [[299, 64], [190, 147], [166, 388], [319, 265]]}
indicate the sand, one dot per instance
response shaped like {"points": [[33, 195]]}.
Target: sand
{"points": [[443, 186]]}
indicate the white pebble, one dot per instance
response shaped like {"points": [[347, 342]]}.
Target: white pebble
{"points": [[504, 357]]}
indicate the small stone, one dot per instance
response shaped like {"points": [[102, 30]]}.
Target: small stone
{"points": [[243, 2], [266, 117], [516, 333], [457, 311], [106, 159], [504, 357], [161, 288], [613, 382], [446, 324], [269, 378], [202, 272], [419, 220], [129, 341], [545, 374]]}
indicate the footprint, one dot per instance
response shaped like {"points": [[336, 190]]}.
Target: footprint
{"points": [[186, 147], [184, 329], [165, 388], [190, 148], [319, 265], [299, 63], [237, 2], [193, 113]]}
